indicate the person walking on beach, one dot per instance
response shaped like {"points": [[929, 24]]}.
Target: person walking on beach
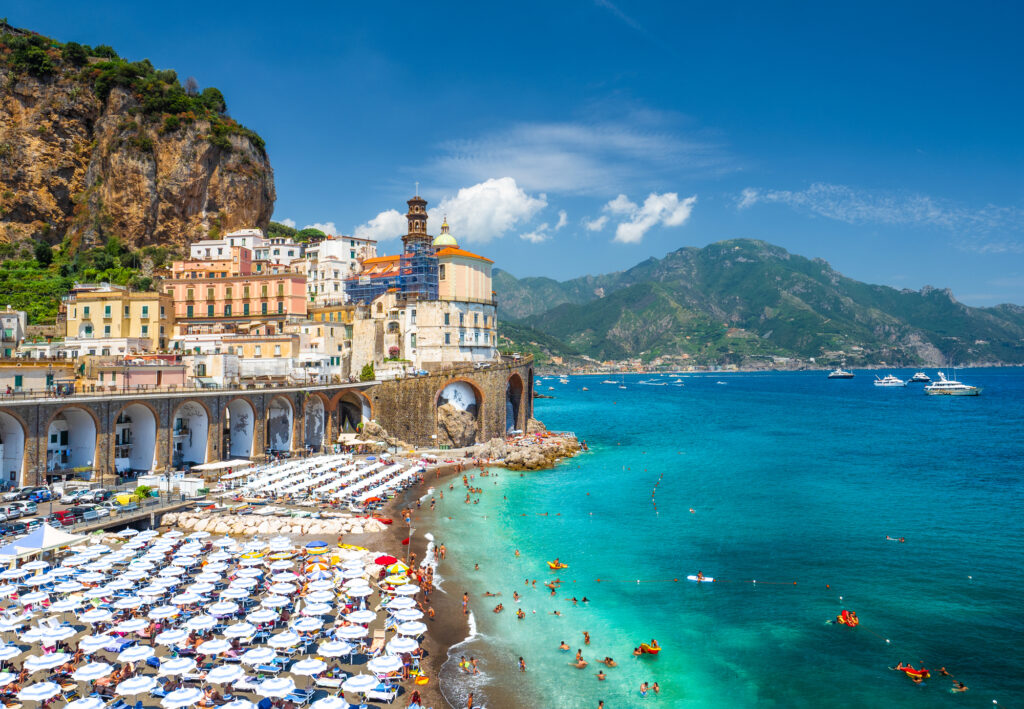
{"points": [[444, 552], [522, 665], [465, 603]]}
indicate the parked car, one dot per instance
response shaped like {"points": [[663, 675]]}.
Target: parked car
{"points": [[27, 507], [100, 510], [11, 512], [3, 516], [101, 495], [56, 520], [71, 497], [41, 494], [11, 495], [33, 523]]}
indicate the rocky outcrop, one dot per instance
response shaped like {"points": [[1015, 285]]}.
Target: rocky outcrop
{"points": [[250, 525], [455, 427], [529, 453], [373, 432], [74, 164]]}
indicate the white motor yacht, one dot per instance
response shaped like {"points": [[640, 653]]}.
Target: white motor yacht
{"points": [[950, 387], [840, 374], [889, 381], [919, 378]]}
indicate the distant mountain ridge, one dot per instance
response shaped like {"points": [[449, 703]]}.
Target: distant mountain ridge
{"points": [[739, 300]]}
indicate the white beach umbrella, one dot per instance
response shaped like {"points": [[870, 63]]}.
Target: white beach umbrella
{"points": [[358, 592], [235, 592], [307, 625], [119, 584], [201, 534], [308, 667], [216, 567], [140, 684], [412, 628], [405, 614], [251, 573], [246, 582], [351, 632], [37, 663], [322, 585], [225, 674], [94, 643], [329, 703], [9, 652], [384, 664], [173, 534], [283, 589], [92, 671], [7, 590], [213, 647], [284, 576], [261, 616], [402, 644], [6, 678], [315, 609], [222, 608], [66, 605], [240, 630], [401, 602], [258, 656], [91, 577], [163, 612], [136, 574], [360, 684], [208, 577], [176, 666], [276, 687], [14, 573], [86, 703], [201, 622], [285, 639], [30, 598], [320, 597], [130, 626], [184, 697], [334, 648], [35, 565], [362, 617], [39, 692], [185, 599], [171, 637], [136, 653], [201, 588], [171, 571], [274, 602]]}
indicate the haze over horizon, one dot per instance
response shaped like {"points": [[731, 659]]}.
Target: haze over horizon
{"points": [[587, 137]]}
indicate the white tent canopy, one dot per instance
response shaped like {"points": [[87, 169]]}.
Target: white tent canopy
{"points": [[45, 538], [223, 465]]}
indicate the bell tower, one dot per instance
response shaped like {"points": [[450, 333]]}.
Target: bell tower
{"points": [[417, 218]]}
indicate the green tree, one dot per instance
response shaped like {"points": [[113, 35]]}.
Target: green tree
{"points": [[74, 54], [213, 99], [309, 234], [104, 50], [34, 60], [279, 229], [43, 253], [367, 375]]}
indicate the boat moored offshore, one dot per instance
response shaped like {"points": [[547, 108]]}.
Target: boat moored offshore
{"points": [[840, 373], [950, 387], [889, 380], [919, 378]]}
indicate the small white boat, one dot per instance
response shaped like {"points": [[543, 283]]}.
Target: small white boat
{"points": [[563, 380], [950, 387], [889, 381], [840, 373], [919, 378], [609, 381]]}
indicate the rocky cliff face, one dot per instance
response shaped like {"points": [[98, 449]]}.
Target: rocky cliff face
{"points": [[74, 164]]}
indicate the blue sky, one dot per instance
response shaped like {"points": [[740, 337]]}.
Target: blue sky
{"points": [[565, 138]]}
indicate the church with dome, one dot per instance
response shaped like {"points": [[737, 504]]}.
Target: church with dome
{"points": [[431, 305]]}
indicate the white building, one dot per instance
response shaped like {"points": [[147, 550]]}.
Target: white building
{"points": [[13, 324], [103, 346], [276, 249], [347, 249]]}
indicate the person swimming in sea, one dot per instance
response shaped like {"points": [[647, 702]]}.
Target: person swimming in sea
{"points": [[564, 646], [643, 689], [637, 652], [608, 661], [519, 614], [601, 676], [499, 608], [958, 686]]}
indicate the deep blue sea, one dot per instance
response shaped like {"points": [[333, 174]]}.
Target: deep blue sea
{"points": [[789, 479]]}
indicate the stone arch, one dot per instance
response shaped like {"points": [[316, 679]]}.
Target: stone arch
{"points": [[315, 417], [239, 427], [13, 434], [514, 409], [353, 408], [190, 431], [458, 413], [71, 440], [280, 421], [135, 434]]}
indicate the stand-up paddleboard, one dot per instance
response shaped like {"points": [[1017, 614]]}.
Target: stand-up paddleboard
{"points": [[706, 579]]}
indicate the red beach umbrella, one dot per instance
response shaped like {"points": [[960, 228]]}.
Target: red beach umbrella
{"points": [[405, 541], [385, 560]]}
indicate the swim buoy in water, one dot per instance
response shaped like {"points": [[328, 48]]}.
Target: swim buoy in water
{"points": [[553, 566], [648, 649], [846, 618]]}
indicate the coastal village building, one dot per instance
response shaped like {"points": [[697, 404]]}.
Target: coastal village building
{"points": [[13, 324], [106, 319], [276, 249]]}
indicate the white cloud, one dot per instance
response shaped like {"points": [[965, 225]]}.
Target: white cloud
{"points": [[563, 219], [489, 209], [595, 157], [287, 222], [595, 224], [326, 227], [386, 225], [537, 236], [665, 209], [855, 206]]}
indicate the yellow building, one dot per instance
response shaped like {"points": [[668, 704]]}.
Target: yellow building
{"points": [[461, 275], [113, 312]]}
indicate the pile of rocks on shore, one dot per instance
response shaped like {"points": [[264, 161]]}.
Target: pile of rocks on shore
{"points": [[529, 454], [249, 525]]}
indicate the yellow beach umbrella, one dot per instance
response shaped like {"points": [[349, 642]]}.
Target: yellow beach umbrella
{"points": [[398, 568]]}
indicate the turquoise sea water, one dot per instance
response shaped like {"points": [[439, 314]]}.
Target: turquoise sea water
{"points": [[791, 478]]}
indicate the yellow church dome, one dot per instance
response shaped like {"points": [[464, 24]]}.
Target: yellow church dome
{"points": [[444, 239]]}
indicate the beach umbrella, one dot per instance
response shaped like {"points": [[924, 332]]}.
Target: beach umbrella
{"points": [[118, 585], [184, 697], [6, 678], [235, 592], [401, 602], [30, 598], [385, 560], [281, 565], [316, 609], [15, 573], [173, 534], [39, 580], [397, 568], [408, 589], [86, 703], [176, 666], [37, 663], [185, 599], [412, 628], [136, 574], [171, 571], [249, 573], [320, 597], [201, 588], [322, 585], [222, 608], [7, 590], [140, 684], [130, 626], [68, 604], [35, 565], [308, 667], [239, 630], [92, 671], [358, 591], [286, 639], [283, 589], [208, 577], [171, 637], [384, 664], [98, 549], [405, 614], [360, 684], [261, 616], [307, 625], [153, 590], [351, 632], [7, 624], [201, 622], [39, 692], [136, 653], [9, 652], [363, 617], [94, 643], [276, 687], [274, 602], [163, 612], [52, 634], [201, 534], [329, 703], [91, 577], [214, 647], [402, 644], [284, 577], [334, 648], [396, 579], [258, 656], [224, 674], [319, 575]]}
